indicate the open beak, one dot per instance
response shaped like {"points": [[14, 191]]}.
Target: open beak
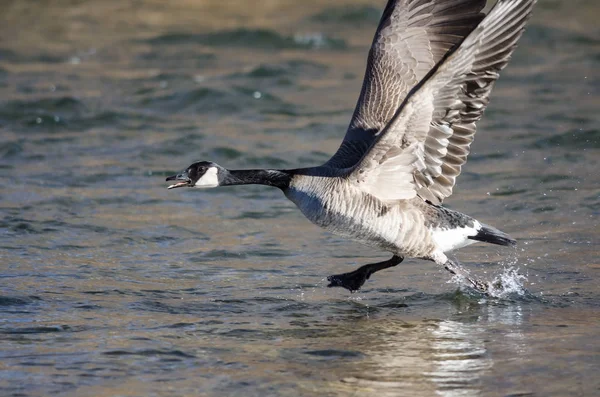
{"points": [[182, 180]]}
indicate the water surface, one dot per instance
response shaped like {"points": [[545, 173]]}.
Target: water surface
{"points": [[112, 285]]}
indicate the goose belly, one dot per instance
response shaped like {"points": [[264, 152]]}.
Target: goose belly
{"points": [[359, 217]]}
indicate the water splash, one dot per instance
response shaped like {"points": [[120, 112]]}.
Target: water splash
{"points": [[508, 284]]}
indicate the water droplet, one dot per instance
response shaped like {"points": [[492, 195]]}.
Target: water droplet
{"points": [[38, 120], [257, 95]]}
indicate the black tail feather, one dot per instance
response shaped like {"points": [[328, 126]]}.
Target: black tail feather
{"points": [[488, 234]]}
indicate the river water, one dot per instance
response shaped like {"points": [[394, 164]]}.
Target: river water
{"points": [[111, 285]]}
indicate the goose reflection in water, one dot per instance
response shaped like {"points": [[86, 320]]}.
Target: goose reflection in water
{"points": [[448, 358]]}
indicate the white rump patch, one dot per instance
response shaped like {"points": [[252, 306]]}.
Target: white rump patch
{"points": [[451, 239], [209, 179]]}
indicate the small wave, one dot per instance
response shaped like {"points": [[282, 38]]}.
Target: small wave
{"points": [[17, 301], [334, 353], [251, 38], [548, 36], [356, 15], [168, 56], [24, 57], [578, 138], [11, 149], [42, 329], [290, 70], [65, 113], [181, 99], [150, 353], [207, 100]]}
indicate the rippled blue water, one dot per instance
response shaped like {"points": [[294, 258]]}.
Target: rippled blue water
{"points": [[112, 285]]}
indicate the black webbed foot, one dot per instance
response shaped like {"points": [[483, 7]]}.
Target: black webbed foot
{"points": [[352, 281], [479, 285]]}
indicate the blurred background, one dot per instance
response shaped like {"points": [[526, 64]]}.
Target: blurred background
{"points": [[112, 285]]}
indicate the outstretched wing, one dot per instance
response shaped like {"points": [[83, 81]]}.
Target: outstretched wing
{"points": [[413, 35], [421, 151]]}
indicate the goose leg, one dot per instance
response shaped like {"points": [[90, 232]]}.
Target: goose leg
{"points": [[458, 270], [354, 280]]}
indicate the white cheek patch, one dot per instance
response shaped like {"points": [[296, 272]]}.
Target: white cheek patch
{"points": [[209, 179]]}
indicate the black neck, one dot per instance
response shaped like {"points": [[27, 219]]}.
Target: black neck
{"points": [[276, 178]]}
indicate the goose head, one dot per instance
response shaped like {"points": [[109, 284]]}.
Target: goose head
{"points": [[203, 174]]}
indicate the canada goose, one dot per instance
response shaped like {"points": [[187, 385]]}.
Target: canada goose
{"points": [[430, 71]]}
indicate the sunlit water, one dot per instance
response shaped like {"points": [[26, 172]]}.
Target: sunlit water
{"points": [[112, 285]]}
